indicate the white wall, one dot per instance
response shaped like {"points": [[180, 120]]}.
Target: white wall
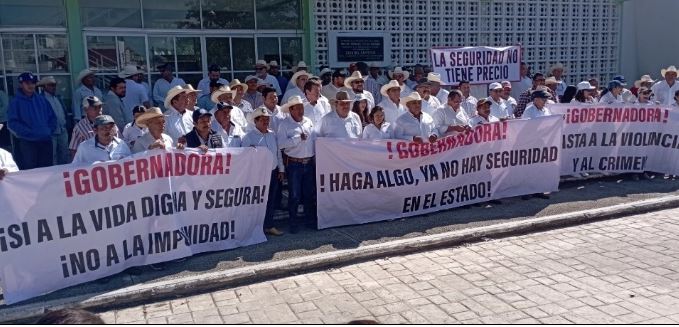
{"points": [[650, 37]]}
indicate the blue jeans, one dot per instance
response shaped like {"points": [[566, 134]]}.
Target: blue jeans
{"points": [[33, 154], [302, 189], [274, 187]]}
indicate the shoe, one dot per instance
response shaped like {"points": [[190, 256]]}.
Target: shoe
{"points": [[526, 197], [294, 229], [157, 266], [545, 196], [273, 231]]}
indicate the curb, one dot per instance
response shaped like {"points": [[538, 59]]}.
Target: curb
{"points": [[156, 291]]}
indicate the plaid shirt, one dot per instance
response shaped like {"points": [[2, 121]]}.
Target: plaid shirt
{"points": [[83, 131]]}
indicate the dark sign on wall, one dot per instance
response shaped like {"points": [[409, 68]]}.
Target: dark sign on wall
{"points": [[360, 48]]}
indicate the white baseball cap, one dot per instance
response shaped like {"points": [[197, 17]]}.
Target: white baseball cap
{"points": [[494, 86]]}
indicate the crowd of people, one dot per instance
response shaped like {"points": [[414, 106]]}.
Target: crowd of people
{"points": [[283, 114]]}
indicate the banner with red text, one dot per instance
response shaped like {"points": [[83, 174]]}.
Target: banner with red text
{"points": [[365, 181], [478, 65], [67, 225], [618, 139]]}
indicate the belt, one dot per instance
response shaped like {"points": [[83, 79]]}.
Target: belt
{"points": [[303, 161]]}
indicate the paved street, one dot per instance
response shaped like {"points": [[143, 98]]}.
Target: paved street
{"points": [[617, 271]]}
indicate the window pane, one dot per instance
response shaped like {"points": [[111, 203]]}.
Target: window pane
{"points": [[132, 50], [53, 54], [218, 52], [278, 14], [224, 14], [171, 14], [188, 54], [192, 79], [32, 13], [19, 53], [267, 48], [106, 13], [161, 50], [101, 53], [291, 51], [243, 54]]}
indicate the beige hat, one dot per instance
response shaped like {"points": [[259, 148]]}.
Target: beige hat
{"points": [[222, 90], [434, 77], [325, 71], [296, 75], [411, 97], [294, 100], [236, 82], [301, 64], [669, 69], [273, 63], [259, 112], [392, 84], [399, 70], [342, 96], [129, 70], [173, 92], [644, 79], [262, 63], [551, 80], [46, 80], [189, 89], [355, 76], [150, 113], [83, 73], [557, 66]]}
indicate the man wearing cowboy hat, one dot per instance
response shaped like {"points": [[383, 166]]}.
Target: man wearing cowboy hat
{"points": [[645, 81], [133, 131], [415, 125], [238, 101], [557, 71], [166, 81], [7, 164], [391, 101], [335, 84], [262, 136], [298, 80], [60, 137], [353, 85], [498, 106], [179, 120], [203, 136], [400, 75], [262, 72], [275, 72], [342, 122], [429, 103], [113, 102], [663, 91], [213, 75], [87, 87], [205, 100], [301, 66], [314, 108], [436, 89], [192, 94], [32, 121], [251, 94], [104, 146], [153, 121], [325, 75], [230, 132], [296, 138], [271, 104], [135, 92], [226, 94], [452, 118]]}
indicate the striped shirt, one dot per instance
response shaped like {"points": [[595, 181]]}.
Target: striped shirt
{"points": [[83, 131]]}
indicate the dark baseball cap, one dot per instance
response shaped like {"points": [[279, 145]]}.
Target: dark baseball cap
{"points": [[103, 120], [28, 77], [539, 94], [198, 113], [223, 105], [138, 110]]}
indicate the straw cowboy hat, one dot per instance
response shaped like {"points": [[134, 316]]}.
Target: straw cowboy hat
{"points": [[411, 97], [235, 82], [259, 112], [557, 66], [273, 63], [294, 100], [342, 96], [46, 81], [262, 63], [222, 90], [189, 89], [84, 73], [325, 71], [392, 84], [129, 70], [643, 79], [399, 70], [669, 69], [355, 76], [150, 113], [296, 75], [173, 92], [434, 77], [550, 80]]}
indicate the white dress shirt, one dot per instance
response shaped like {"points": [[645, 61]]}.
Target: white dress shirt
{"points": [[478, 120], [91, 151], [500, 109], [7, 162], [332, 125], [384, 132], [204, 85], [407, 127], [391, 110], [663, 93], [442, 96], [176, 124], [316, 112], [161, 87], [469, 105], [447, 116], [142, 144], [533, 112], [352, 95], [329, 91], [406, 91], [135, 95], [429, 108], [132, 132], [231, 138], [268, 140], [289, 137]]}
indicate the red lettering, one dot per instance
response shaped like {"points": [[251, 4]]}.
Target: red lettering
{"points": [[82, 185], [99, 183], [193, 165], [115, 178]]}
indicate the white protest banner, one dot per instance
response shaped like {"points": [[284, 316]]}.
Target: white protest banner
{"points": [[478, 65], [366, 181], [67, 225], [618, 138]]}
